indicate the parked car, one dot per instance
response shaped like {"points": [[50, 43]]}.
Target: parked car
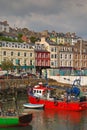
{"points": [[31, 75], [9, 76], [24, 75]]}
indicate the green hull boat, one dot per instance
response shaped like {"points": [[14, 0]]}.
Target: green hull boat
{"points": [[9, 121]]}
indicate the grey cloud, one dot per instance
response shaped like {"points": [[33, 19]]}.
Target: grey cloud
{"points": [[58, 15]]}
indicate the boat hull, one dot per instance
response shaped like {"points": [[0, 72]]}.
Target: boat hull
{"points": [[10, 121], [59, 105]]}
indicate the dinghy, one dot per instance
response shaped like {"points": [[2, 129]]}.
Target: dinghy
{"points": [[33, 106]]}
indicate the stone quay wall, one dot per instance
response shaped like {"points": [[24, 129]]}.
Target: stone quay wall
{"points": [[23, 83]]}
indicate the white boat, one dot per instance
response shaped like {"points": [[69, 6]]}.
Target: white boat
{"points": [[33, 106]]}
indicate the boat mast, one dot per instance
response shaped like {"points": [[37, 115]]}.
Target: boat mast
{"points": [[80, 58]]}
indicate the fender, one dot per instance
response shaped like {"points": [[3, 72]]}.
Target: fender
{"points": [[55, 103]]}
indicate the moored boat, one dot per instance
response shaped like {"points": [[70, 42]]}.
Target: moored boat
{"points": [[33, 106], [10, 121], [41, 94]]}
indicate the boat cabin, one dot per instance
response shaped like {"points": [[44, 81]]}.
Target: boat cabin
{"points": [[39, 90], [42, 91]]}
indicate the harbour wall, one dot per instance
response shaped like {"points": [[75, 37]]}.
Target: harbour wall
{"points": [[70, 79], [23, 83]]}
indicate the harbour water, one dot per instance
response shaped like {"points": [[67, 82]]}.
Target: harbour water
{"points": [[50, 119]]}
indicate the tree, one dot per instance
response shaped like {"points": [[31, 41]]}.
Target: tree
{"points": [[20, 37], [7, 65], [33, 39]]}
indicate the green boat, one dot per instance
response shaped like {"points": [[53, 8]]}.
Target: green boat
{"points": [[9, 121]]}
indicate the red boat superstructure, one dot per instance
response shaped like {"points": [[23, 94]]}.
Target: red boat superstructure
{"points": [[43, 95]]}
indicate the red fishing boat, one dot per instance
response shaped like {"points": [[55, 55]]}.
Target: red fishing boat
{"points": [[41, 94]]}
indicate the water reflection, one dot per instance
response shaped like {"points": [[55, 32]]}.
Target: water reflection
{"points": [[73, 117], [18, 128], [57, 120], [51, 119]]}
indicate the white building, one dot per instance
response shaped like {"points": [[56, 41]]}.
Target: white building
{"points": [[4, 27]]}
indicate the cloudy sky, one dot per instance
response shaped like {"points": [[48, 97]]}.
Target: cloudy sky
{"points": [[38, 15]]}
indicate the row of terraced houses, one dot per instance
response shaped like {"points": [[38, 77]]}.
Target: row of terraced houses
{"points": [[55, 52]]}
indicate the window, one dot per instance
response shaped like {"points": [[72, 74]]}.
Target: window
{"points": [[25, 54], [30, 62], [7, 45], [61, 63], [55, 56], [25, 62], [30, 54], [52, 63], [18, 62], [42, 55], [70, 56], [12, 60], [55, 49], [51, 55], [3, 44], [52, 49], [18, 53], [70, 63], [16, 46], [65, 56], [12, 53], [61, 56], [4, 53]]}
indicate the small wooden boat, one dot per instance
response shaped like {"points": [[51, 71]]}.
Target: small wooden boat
{"points": [[33, 106], [10, 121]]}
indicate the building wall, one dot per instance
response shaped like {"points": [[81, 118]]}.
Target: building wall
{"points": [[21, 53], [80, 55], [65, 54], [42, 58]]}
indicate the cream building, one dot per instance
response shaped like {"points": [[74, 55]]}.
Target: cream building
{"points": [[19, 53]]}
